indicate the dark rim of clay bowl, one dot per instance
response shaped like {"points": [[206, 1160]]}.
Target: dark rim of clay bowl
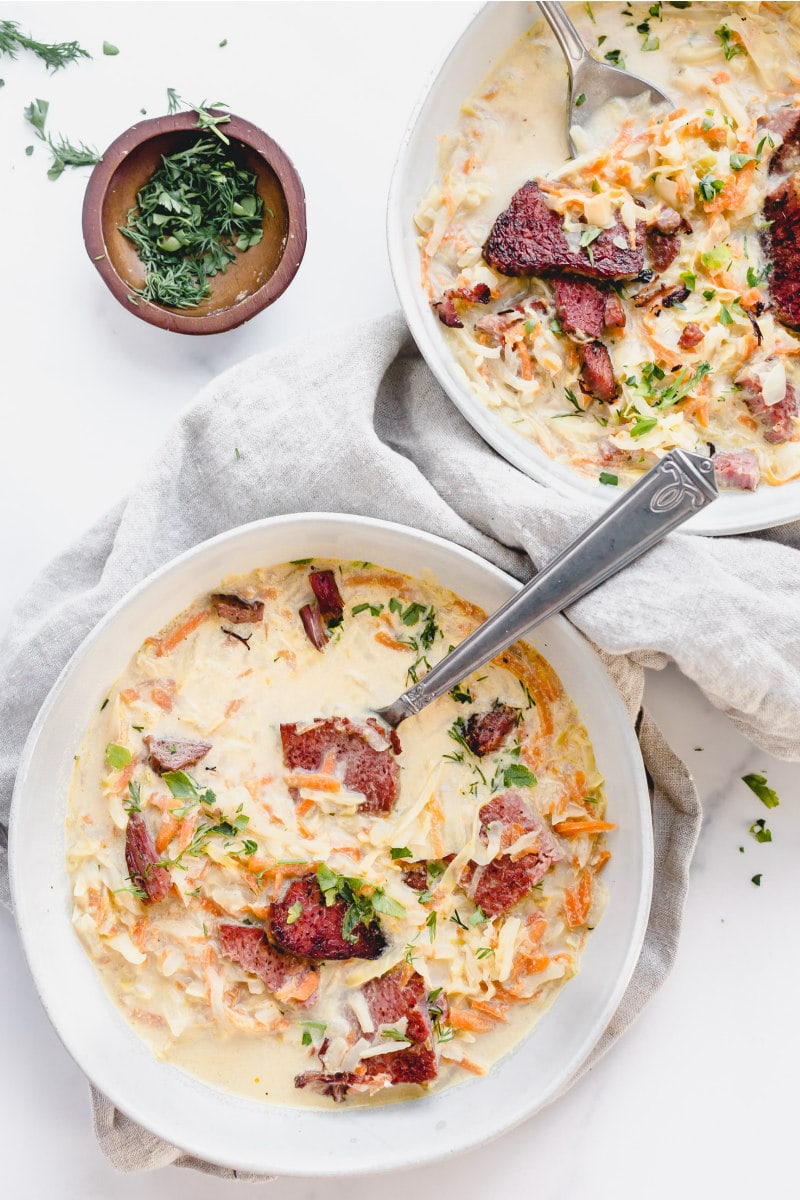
{"points": [[253, 281]]}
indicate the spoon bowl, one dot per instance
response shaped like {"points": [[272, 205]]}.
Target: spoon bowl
{"points": [[591, 83]]}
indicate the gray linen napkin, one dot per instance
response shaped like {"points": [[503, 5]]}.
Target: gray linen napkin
{"points": [[359, 425]]}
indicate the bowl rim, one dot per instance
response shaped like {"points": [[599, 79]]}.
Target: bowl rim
{"points": [[732, 513], [520, 1107], [220, 320]]}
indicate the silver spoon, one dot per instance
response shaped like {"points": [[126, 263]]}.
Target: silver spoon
{"points": [[671, 492], [591, 83]]}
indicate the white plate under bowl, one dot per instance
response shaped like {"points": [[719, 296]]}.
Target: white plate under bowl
{"points": [[259, 1137], [491, 33]]}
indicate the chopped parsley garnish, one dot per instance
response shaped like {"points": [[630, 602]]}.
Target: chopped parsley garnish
{"points": [[456, 919], [731, 46], [294, 913], [363, 900], [400, 852], [607, 478], [518, 776], [708, 187], [117, 757], [394, 1035], [689, 279], [758, 784], [757, 278], [198, 208], [483, 951], [430, 924], [461, 694], [615, 58], [529, 700], [760, 831], [375, 609], [739, 161], [183, 787], [643, 426], [651, 43], [305, 1040], [580, 99], [756, 879], [110, 49]]}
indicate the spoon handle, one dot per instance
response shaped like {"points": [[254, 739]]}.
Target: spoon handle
{"points": [[565, 33], [671, 492]]}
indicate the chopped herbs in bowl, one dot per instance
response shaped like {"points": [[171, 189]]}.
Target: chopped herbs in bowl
{"points": [[196, 221]]}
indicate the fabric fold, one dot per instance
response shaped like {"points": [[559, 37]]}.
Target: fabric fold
{"points": [[358, 424]]}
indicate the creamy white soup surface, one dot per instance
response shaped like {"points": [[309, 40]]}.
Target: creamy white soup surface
{"points": [[640, 297], [292, 903]]}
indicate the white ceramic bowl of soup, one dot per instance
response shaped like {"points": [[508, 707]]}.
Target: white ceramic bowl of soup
{"points": [[486, 39], [254, 1136]]}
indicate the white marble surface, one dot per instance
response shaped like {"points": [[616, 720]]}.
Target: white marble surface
{"points": [[698, 1098]]}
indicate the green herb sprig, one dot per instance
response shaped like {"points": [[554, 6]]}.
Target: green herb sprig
{"points": [[190, 218], [65, 153], [53, 54]]}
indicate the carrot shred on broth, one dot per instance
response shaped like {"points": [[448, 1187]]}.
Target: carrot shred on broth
{"points": [[385, 639], [313, 779], [578, 902], [579, 826], [473, 1022], [167, 644]]}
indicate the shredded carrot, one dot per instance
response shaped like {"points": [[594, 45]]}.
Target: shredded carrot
{"points": [[499, 1012], [351, 851], [328, 764], [129, 695], [578, 826], [162, 698], [311, 779], [233, 707], [734, 193], [168, 643], [578, 903], [529, 964], [123, 779], [188, 827], [386, 639], [169, 828], [723, 76], [305, 988], [602, 858], [462, 1018], [469, 1065], [383, 579], [288, 870], [304, 807]]}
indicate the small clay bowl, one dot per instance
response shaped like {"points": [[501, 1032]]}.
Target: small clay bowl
{"points": [[254, 280]]}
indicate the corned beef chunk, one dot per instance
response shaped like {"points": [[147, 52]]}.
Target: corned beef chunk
{"points": [[502, 883], [781, 243], [315, 929], [597, 374], [528, 239], [174, 754], [247, 945], [236, 610], [737, 469], [485, 732], [365, 757], [142, 861]]}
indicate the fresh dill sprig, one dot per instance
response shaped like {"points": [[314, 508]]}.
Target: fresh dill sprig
{"points": [[65, 153], [205, 118], [52, 54]]}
